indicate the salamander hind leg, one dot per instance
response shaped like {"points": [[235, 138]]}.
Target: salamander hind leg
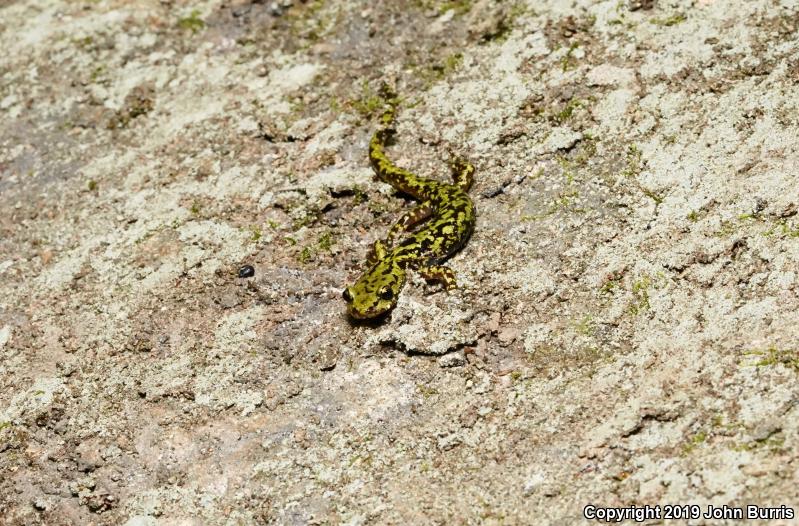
{"points": [[412, 217], [441, 274], [462, 171]]}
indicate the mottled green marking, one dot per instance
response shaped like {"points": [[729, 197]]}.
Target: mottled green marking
{"points": [[450, 216]]}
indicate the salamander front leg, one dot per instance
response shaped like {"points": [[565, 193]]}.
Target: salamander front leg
{"points": [[377, 253], [441, 274]]}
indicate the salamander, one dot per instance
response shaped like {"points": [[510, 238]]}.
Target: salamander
{"points": [[445, 212]]}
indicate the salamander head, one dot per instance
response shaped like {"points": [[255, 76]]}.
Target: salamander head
{"points": [[376, 292]]}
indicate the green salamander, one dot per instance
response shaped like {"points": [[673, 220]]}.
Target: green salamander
{"points": [[450, 215]]}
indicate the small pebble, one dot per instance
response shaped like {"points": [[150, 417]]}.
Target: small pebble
{"points": [[455, 359], [247, 271]]}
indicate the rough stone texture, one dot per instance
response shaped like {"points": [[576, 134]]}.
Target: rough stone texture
{"points": [[626, 327]]}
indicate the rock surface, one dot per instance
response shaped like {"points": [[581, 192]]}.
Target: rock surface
{"points": [[626, 327]]}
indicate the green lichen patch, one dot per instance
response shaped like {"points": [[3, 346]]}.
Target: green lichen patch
{"points": [[450, 63], [782, 228], [767, 226], [770, 357], [84, 42], [326, 241], [308, 253], [657, 198], [611, 283], [498, 26], [586, 325], [192, 22], [773, 444], [459, 6], [312, 22], [98, 75], [586, 150], [139, 102], [305, 255], [640, 291], [431, 69], [427, 391], [695, 441], [255, 233], [568, 61], [304, 216], [669, 21], [567, 111], [633, 164], [369, 102]]}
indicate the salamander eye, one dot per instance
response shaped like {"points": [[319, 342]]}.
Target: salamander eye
{"points": [[347, 295], [386, 293]]}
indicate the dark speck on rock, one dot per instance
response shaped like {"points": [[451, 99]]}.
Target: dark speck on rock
{"points": [[241, 11], [247, 271]]}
